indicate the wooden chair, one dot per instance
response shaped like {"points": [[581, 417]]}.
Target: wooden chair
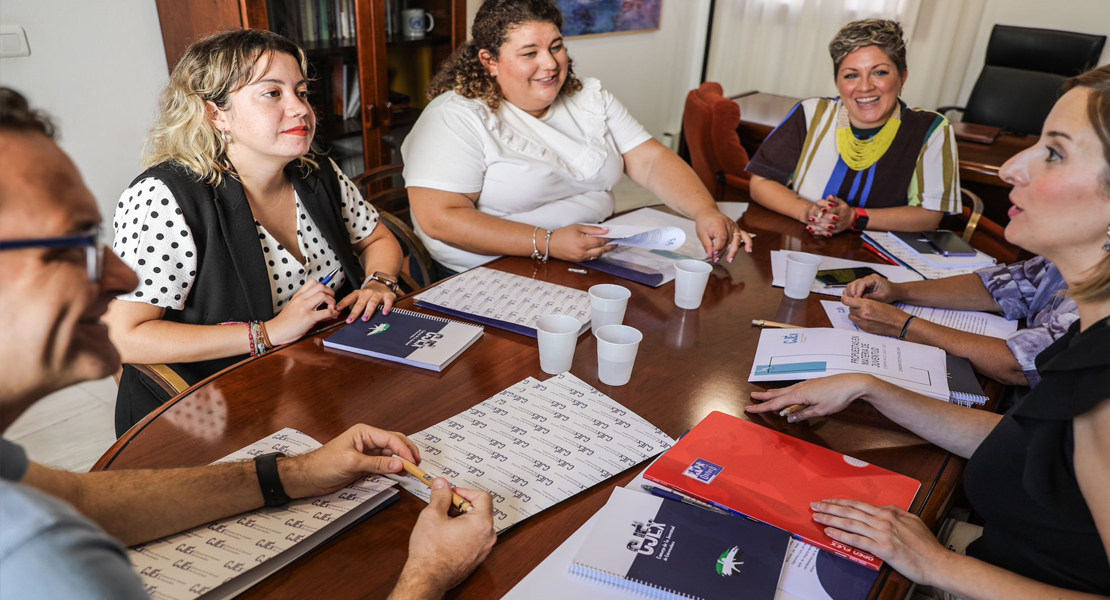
{"points": [[161, 374], [984, 234], [709, 124], [393, 212]]}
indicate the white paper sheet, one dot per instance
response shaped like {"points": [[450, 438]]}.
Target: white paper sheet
{"points": [[651, 238], [964, 320], [534, 445], [797, 354], [891, 272], [550, 580], [952, 265], [186, 565]]}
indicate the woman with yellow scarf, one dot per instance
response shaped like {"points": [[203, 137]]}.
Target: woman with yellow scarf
{"points": [[863, 160]]}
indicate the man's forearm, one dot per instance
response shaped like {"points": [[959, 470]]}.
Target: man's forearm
{"points": [[136, 506]]}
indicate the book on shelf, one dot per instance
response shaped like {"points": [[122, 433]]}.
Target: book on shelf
{"points": [[738, 466], [656, 547], [407, 337], [223, 558], [506, 301]]}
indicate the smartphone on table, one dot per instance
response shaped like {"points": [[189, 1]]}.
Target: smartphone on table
{"points": [[842, 277], [947, 243]]}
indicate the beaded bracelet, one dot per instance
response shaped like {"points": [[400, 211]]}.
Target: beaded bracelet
{"points": [[258, 340], [906, 328]]}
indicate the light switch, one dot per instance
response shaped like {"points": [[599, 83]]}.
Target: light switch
{"points": [[13, 42]]}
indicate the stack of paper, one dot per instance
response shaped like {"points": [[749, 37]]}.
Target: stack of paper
{"points": [[534, 445]]}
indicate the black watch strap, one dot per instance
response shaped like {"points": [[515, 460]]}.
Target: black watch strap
{"points": [[272, 491]]}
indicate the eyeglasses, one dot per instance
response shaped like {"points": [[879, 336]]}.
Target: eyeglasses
{"points": [[90, 241]]}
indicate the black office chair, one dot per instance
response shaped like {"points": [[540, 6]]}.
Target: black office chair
{"points": [[1024, 71]]}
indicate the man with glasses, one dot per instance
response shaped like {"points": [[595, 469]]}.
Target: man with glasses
{"points": [[59, 530]]}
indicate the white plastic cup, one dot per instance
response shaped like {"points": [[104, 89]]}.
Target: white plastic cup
{"points": [[801, 270], [608, 303], [689, 282], [557, 336], [616, 353]]}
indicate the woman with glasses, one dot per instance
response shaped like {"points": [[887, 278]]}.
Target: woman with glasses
{"points": [[243, 238]]}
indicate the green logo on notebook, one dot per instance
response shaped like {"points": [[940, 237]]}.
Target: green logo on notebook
{"points": [[378, 329], [729, 561]]}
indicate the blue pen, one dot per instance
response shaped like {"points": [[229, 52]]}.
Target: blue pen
{"points": [[327, 280]]}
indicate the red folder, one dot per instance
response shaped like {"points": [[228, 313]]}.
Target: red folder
{"points": [[771, 477]]}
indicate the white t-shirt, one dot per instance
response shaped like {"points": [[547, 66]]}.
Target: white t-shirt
{"points": [[152, 238], [550, 172]]}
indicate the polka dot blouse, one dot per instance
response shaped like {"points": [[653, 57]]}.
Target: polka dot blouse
{"points": [[152, 238]]}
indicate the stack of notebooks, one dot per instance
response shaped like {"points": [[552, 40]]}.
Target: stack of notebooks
{"points": [[912, 251]]}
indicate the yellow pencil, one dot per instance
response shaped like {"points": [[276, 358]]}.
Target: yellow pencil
{"points": [[460, 503], [765, 323]]}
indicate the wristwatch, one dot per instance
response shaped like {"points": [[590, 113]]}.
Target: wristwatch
{"points": [[861, 220], [385, 278]]}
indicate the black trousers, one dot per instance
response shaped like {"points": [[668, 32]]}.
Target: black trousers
{"points": [[137, 396]]}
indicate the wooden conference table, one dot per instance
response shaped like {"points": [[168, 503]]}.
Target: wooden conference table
{"points": [[689, 363], [760, 113]]}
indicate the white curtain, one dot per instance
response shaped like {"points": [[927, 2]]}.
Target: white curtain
{"points": [[781, 46]]}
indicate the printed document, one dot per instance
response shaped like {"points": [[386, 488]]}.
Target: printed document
{"points": [[797, 354], [534, 445], [638, 236], [963, 320]]}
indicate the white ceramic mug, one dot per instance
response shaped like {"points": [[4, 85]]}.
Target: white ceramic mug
{"points": [[415, 22]]}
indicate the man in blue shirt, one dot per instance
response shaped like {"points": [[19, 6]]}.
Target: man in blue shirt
{"points": [[62, 534]]}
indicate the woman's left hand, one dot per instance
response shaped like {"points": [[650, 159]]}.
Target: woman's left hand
{"points": [[836, 216], [720, 235], [365, 301], [888, 532]]}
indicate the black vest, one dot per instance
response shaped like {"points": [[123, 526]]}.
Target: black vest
{"points": [[231, 279]]}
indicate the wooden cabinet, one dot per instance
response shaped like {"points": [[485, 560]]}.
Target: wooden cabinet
{"points": [[371, 58]]}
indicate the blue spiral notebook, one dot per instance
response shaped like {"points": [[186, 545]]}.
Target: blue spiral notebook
{"points": [[407, 337]]}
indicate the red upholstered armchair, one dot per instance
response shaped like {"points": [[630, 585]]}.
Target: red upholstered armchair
{"points": [[709, 124]]}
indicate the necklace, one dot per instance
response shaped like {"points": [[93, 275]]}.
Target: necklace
{"points": [[861, 154]]}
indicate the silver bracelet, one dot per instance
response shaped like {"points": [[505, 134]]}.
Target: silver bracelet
{"points": [[547, 249], [535, 249]]}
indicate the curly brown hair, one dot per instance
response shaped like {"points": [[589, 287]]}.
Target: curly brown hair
{"points": [[16, 114], [885, 34], [464, 73]]}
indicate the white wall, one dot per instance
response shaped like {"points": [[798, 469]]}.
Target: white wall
{"points": [[650, 73], [96, 66], [1081, 16]]}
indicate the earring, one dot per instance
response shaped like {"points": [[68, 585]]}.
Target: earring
{"points": [[227, 137], [1106, 246]]}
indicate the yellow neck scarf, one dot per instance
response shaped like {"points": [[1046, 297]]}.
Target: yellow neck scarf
{"points": [[860, 154]]}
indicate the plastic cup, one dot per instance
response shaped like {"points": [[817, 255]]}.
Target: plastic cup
{"points": [[557, 336], [616, 353], [801, 270], [689, 282], [607, 305]]}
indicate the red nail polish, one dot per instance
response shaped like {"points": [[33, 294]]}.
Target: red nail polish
{"points": [[836, 218], [811, 219]]}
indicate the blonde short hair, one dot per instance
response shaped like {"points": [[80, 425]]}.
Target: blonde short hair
{"points": [[1096, 287], [884, 33], [210, 71]]}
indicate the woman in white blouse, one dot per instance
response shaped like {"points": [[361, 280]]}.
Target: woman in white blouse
{"points": [[515, 152], [235, 222]]}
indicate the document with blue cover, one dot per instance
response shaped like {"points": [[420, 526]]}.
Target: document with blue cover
{"points": [[662, 548], [407, 337]]}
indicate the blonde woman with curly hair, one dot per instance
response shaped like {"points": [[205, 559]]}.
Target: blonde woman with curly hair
{"points": [[863, 160], [236, 225], [515, 152]]}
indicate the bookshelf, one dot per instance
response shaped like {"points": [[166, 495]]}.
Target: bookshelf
{"points": [[357, 58]]}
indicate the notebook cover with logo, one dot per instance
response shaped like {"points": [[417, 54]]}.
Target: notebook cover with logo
{"points": [[642, 543], [407, 337], [771, 477]]}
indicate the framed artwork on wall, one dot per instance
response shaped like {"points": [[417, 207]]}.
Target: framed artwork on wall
{"points": [[606, 17]]}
